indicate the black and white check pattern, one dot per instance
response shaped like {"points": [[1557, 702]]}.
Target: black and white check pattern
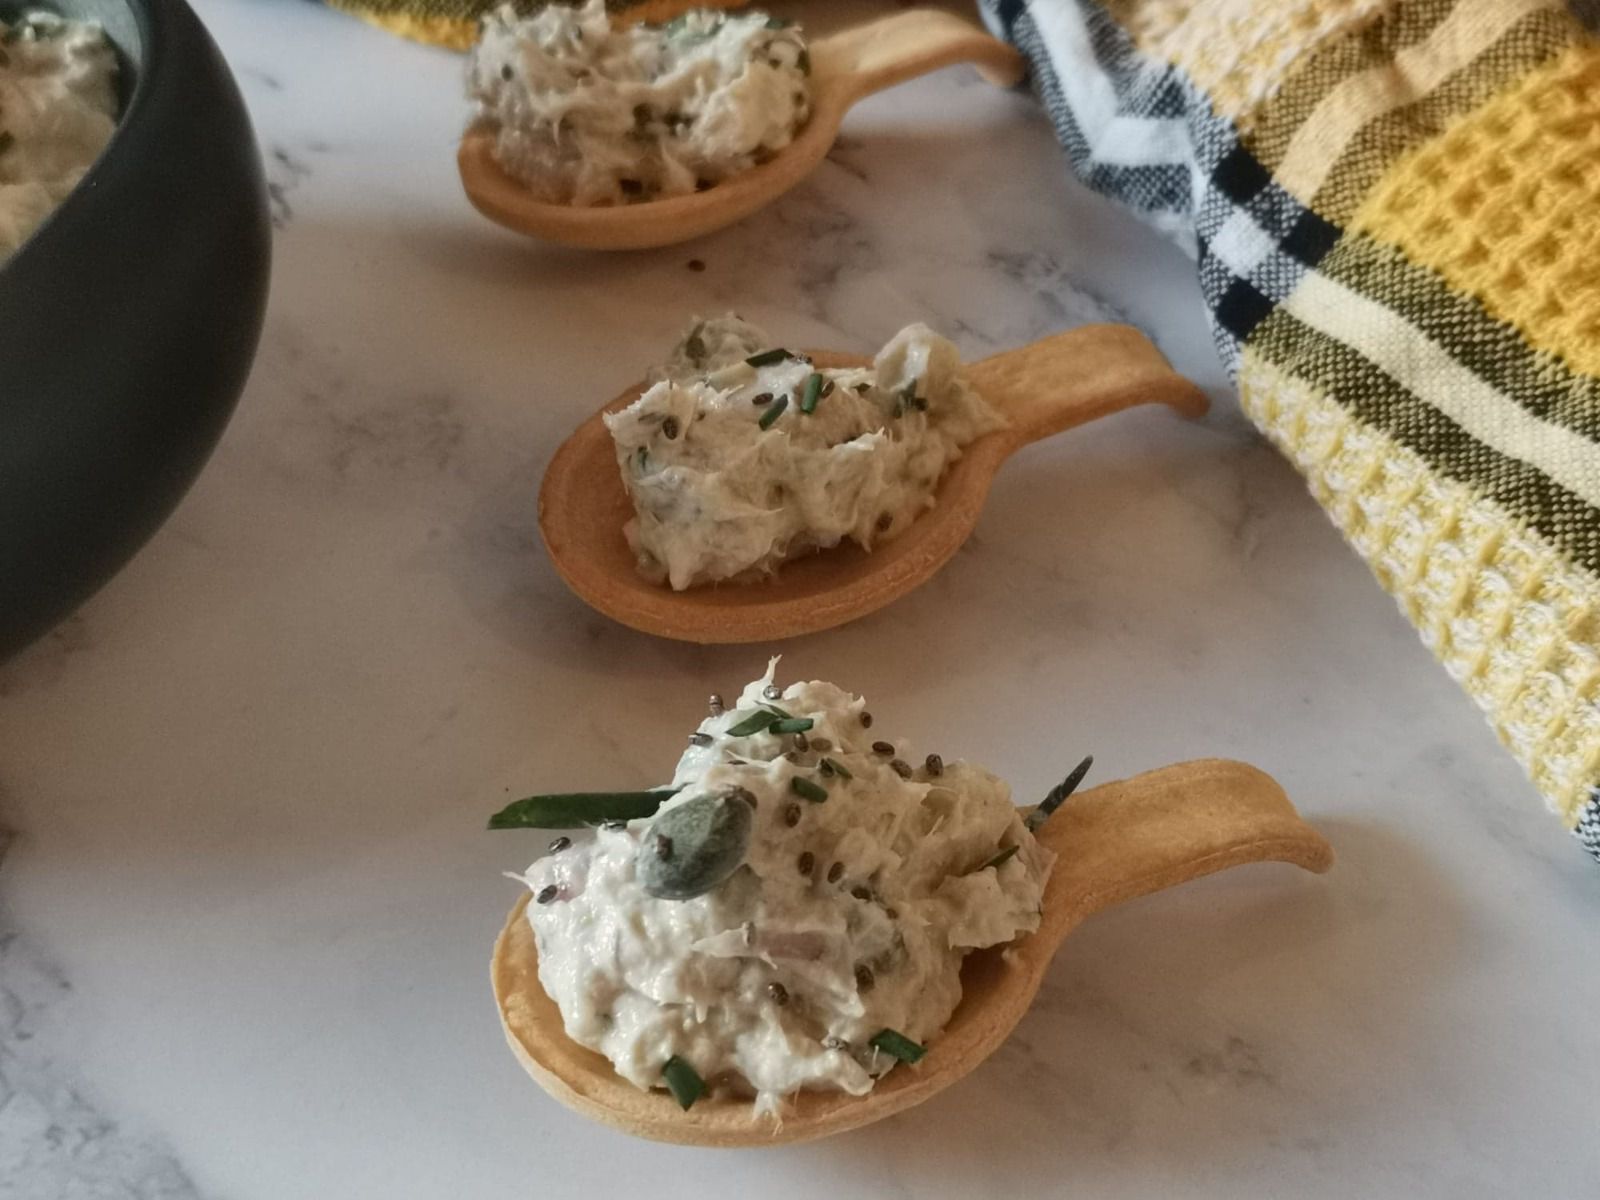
{"points": [[1587, 831], [1140, 132]]}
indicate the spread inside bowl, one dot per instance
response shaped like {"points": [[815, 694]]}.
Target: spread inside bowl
{"points": [[58, 109]]}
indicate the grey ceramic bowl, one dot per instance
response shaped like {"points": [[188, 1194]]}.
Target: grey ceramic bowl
{"points": [[129, 320]]}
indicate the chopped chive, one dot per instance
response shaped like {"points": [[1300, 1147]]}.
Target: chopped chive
{"points": [[811, 791], [811, 392], [837, 768], [767, 357], [791, 725], [897, 1045], [569, 810], [1057, 794], [758, 722], [683, 1081], [999, 860], [773, 412]]}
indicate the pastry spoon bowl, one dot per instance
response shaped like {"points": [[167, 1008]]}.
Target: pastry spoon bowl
{"points": [[1113, 843], [1043, 388], [846, 66]]}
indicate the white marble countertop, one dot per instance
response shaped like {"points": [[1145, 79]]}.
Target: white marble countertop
{"points": [[246, 914]]}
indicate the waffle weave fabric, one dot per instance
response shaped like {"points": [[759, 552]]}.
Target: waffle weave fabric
{"points": [[1394, 208]]}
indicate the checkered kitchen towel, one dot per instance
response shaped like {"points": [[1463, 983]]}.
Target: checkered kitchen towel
{"points": [[1394, 206], [1395, 210]]}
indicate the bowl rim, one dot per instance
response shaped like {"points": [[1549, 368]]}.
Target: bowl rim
{"points": [[147, 22]]}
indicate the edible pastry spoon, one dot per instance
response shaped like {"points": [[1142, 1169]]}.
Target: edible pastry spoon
{"points": [[1113, 843], [1042, 388], [846, 66]]}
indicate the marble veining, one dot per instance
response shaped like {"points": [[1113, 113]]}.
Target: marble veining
{"points": [[247, 908]]}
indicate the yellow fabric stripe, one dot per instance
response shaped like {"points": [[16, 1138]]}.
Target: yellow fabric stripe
{"points": [[1505, 205], [1240, 51], [1471, 28], [1511, 619]]}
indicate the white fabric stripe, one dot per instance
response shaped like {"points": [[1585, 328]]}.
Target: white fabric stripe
{"points": [[1471, 28], [1114, 139], [1241, 245], [1429, 372]]}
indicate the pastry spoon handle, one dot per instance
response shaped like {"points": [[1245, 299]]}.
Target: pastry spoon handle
{"points": [[1162, 828], [893, 49], [1073, 377]]}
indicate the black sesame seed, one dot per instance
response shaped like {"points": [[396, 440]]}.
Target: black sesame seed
{"points": [[669, 428], [933, 765], [866, 720], [900, 767], [791, 815], [821, 744], [861, 893], [547, 893], [884, 748], [663, 846], [864, 977], [696, 264], [506, 72], [560, 844], [779, 993], [884, 521], [835, 872], [715, 704], [806, 862], [892, 913], [772, 692], [761, 398], [700, 739]]}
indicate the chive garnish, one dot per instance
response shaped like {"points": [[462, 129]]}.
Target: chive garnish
{"points": [[1057, 794], [569, 810], [758, 722], [767, 357], [791, 725], [683, 1081], [811, 392], [773, 412], [811, 791], [897, 1045], [1000, 859], [836, 767]]}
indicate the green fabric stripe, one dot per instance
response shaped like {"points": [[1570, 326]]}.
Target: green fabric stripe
{"points": [[1533, 40], [1537, 381], [1354, 383], [1372, 45]]}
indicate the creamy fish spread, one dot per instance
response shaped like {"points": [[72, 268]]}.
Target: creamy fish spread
{"points": [[58, 108], [585, 114], [804, 898], [743, 455]]}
